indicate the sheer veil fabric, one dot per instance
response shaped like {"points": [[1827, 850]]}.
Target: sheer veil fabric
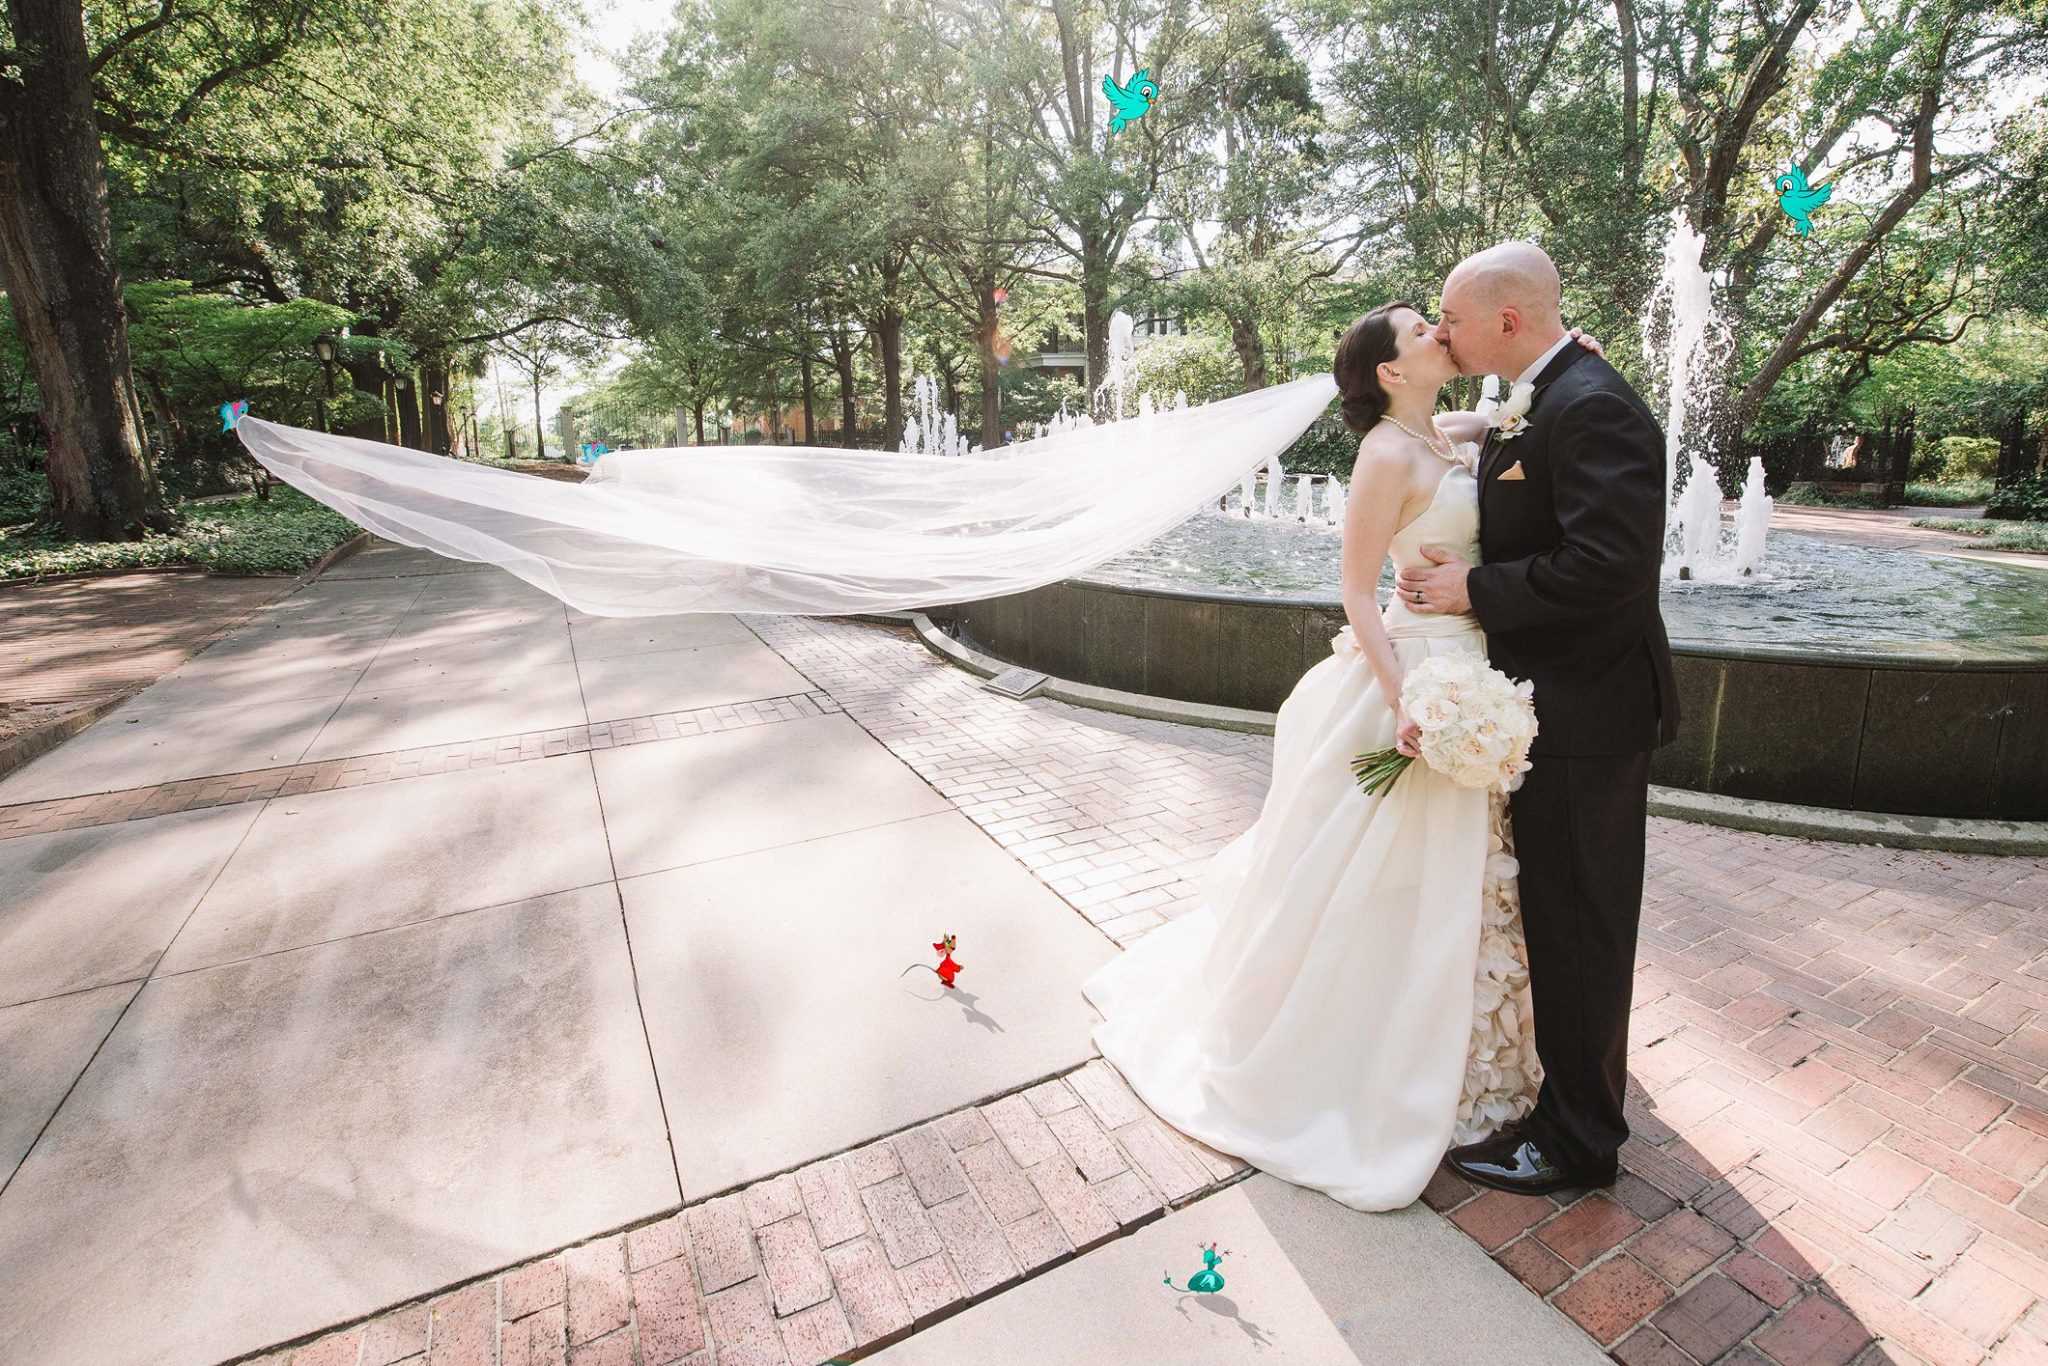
{"points": [[804, 530]]}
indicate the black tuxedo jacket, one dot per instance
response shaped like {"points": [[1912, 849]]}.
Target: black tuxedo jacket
{"points": [[1572, 552]]}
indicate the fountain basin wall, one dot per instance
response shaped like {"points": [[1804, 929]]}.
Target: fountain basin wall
{"points": [[1926, 729]]}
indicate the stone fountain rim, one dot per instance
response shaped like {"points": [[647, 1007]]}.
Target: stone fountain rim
{"points": [[1954, 834]]}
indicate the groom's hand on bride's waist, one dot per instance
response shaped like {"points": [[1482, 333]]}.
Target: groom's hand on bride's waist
{"points": [[1438, 588]]}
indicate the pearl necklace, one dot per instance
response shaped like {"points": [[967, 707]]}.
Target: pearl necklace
{"points": [[1444, 454]]}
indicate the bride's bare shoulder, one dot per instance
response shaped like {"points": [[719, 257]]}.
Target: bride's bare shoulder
{"points": [[1383, 450]]}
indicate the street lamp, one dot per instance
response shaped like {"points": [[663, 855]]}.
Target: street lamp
{"points": [[323, 347]]}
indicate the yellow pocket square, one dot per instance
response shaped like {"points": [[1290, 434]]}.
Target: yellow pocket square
{"points": [[1513, 471]]}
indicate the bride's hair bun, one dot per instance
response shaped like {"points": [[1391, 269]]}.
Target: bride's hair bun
{"points": [[1365, 345], [1363, 412]]}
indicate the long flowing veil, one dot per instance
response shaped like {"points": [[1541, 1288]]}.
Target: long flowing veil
{"points": [[808, 530]]}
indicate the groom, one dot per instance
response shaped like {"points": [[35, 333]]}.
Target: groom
{"points": [[1571, 532]]}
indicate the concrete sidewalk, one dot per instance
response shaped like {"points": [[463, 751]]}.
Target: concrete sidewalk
{"points": [[421, 928]]}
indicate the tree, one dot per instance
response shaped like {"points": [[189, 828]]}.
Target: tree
{"points": [[1259, 176], [1092, 188], [57, 262]]}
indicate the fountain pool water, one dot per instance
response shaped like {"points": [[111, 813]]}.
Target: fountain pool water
{"points": [[1823, 594]]}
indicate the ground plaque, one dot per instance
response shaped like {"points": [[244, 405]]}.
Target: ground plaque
{"points": [[1016, 682]]}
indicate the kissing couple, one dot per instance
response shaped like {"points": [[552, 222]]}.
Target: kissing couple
{"points": [[1374, 984]]}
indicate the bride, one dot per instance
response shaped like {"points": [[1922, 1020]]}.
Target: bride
{"points": [[1352, 996]]}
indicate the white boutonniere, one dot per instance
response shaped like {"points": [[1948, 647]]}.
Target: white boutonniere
{"points": [[1511, 418]]}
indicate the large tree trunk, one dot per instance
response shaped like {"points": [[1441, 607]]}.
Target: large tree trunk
{"points": [[842, 361], [1251, 349], [991, 395], [1095, 268], [810, 396], [57, 263], [889, 340], [408, 399], [365, 376], [440, 439], [540, 433], [697, 411]]}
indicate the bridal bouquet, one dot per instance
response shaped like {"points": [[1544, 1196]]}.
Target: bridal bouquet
{"points": [[1477, 724]]}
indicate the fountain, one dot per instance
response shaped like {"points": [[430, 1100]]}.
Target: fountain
{"points": [[1752, 520], [1825, 673], [1696, 344], [1121, 357], [931, 432]]}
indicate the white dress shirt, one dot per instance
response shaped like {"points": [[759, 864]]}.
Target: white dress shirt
{"points": [[1528, 376]]}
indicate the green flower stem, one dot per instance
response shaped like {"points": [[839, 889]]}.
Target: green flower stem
{"points": [[1377, 771]]}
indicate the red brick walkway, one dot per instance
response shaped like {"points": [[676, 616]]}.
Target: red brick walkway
{"points": [[1840, 1128]]}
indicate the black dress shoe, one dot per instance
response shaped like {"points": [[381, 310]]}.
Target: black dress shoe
{"points": [[1511, 1161]]}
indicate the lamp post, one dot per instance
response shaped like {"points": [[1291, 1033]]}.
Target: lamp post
{"points": [[323, 347]]}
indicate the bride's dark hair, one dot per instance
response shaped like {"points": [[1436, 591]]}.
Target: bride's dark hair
{"points": [[1360, 351]]}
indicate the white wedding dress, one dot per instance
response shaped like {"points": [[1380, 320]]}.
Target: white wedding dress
{"points": [[1351, 997]]}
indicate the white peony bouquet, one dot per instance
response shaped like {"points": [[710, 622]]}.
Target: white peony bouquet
{"points": [[1477, 725]]}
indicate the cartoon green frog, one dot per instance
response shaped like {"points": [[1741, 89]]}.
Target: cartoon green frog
{"points": [[1208, 1280]]}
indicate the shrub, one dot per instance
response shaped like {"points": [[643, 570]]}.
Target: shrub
{"points": [[2024, 499], [1805, 495], [1966, 457], [1327, 447], [2028, 536], [1960, 494], [24, 493], [1203, 367], [283, 535]]}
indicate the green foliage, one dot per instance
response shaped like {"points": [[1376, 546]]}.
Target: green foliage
{"points": [[1966, 458], [1034, 397], [1805, 495], [1958, 494], [2025, 536], [284, 534], [194, 351], [1201, 366], [792, 179], [2023, 499], [1327, 447], [24, 492]]}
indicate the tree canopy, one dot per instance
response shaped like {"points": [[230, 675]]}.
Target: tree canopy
{"points": [[791, 206]]}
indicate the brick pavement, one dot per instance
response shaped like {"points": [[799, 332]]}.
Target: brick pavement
{"points": [[847, 1253], [1838, 1060]]}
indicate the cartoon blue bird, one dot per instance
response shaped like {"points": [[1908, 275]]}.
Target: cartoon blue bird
{"points": [[1798, 202], [231, 413], [1131, 101]]}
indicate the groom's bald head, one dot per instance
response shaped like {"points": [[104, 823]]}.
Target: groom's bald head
{"points": [[1502, 308]]}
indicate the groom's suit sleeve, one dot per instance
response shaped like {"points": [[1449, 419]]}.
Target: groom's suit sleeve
{"points": [[1607, 485]]}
